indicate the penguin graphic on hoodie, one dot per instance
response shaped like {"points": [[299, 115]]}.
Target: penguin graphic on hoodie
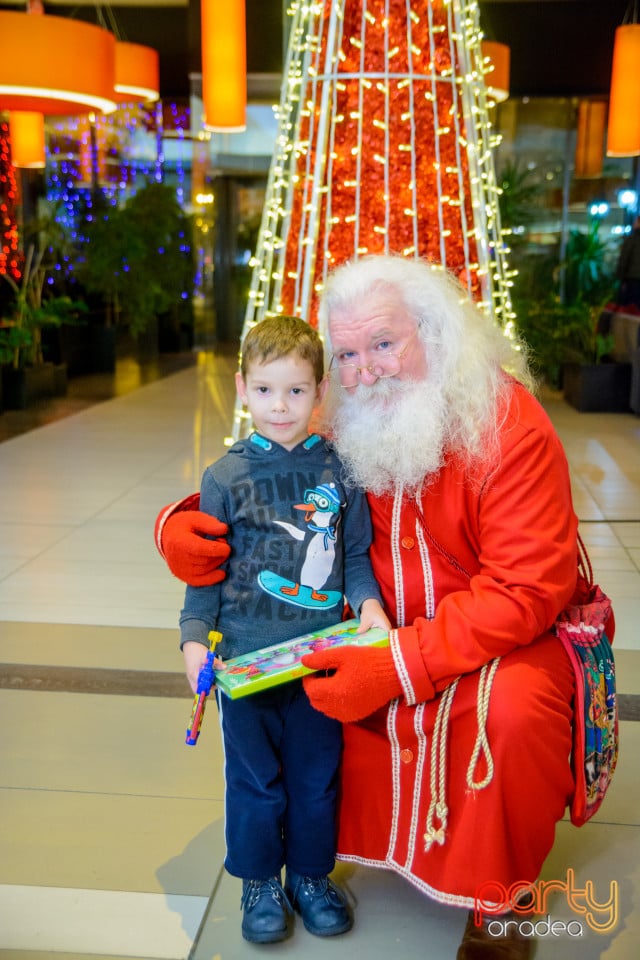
{"points": [[321, 506]]}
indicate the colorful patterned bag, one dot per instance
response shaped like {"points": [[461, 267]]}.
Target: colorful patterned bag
{"points": [[586, 628]]}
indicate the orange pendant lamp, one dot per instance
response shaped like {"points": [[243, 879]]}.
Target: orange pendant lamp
{"points": [[497, 57], [592, 120], [26, 130], [137, 73], [55, 65], [224, 64], [623, 135]]}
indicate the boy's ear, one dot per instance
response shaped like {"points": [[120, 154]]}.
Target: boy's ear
{"points": [[241, 387]]}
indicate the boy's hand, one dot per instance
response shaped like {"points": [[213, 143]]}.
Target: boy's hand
{"points": [[372, 615], [195, 655]]}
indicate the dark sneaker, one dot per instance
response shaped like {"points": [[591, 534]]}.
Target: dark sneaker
{"points": [[265, 910], [322, 906]]}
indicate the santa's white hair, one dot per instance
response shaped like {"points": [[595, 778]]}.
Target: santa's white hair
{"points": [[400, 432]]}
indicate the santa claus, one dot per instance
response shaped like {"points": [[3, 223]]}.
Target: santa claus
{"points": [[457, 736]]}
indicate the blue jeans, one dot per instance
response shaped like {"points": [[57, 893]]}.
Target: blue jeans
{"points": [[281, 769]]}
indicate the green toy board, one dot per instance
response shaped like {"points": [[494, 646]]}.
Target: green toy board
{"points": [[280, 663]]}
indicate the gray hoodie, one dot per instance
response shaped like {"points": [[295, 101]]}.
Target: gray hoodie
{"points": [[299, 538]]}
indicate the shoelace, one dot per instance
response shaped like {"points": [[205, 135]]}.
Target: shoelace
{"points": [[321, 886], [255, 889]]}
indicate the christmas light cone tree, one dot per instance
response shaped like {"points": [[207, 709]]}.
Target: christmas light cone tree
{"points": [[384, 145]]}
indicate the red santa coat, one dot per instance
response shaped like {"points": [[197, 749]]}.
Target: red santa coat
{"points": [[511, 567]]}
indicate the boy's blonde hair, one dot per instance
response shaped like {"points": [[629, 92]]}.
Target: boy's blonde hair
{"points": [[277, 337]]}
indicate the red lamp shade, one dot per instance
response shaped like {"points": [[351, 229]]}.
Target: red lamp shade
{"points": [[623, 137], [592, 120], [55, 65], [137, 73], [27, 139], [498, 69], [224, 64]]}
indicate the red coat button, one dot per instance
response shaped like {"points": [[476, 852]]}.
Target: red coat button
{"points": [[408, 543], [406, 756]]}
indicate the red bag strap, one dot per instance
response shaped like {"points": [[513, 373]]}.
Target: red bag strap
{"points": [[436, 543], [584, 563], [585, 570]]}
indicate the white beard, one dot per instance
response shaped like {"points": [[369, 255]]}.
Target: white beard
{"points": [[389, 434]]}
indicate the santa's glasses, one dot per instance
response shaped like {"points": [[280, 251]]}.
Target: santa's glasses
{"points": [[348, 375]]}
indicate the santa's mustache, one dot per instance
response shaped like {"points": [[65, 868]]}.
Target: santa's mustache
{"points": [[390, 433]]}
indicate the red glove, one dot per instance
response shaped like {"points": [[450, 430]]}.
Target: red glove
{"points": [[180, 537], [365, 679]]}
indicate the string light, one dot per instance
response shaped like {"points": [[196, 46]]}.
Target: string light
{"points": [[9, 256], [391, 152], [91, 156]]}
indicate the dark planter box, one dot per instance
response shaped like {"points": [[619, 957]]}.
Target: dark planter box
{"points": [[102, 349], [22, 387], [142, 346], [598, 388], [175, 330], [88, 348]]}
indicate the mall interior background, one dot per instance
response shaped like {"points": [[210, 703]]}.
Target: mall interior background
{"points": [[561, 52], [113, 840]]}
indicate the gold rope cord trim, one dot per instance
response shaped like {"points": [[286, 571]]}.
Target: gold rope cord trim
{"points": [[438, 813]]}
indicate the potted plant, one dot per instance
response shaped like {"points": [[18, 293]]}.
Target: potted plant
{"points": [[550, 330], [79, 341], [12, 338], [569, 350], [138, 259], [25, 373], [592, 381]]}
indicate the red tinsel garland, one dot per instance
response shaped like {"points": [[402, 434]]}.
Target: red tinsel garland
{"points": [[372, 204]]}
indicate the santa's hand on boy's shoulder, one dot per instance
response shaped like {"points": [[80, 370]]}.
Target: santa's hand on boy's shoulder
{"points": [[192, 556]]}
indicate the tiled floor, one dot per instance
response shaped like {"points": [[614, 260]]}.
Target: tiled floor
{"points": [[111, 828]]}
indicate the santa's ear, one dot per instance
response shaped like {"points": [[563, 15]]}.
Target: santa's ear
{"points": [[322, 389]]}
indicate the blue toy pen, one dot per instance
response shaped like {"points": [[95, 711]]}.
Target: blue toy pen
{"points": [[206, 679]]}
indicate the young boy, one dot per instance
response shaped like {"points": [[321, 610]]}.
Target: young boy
{"points": [[299, 542]]}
